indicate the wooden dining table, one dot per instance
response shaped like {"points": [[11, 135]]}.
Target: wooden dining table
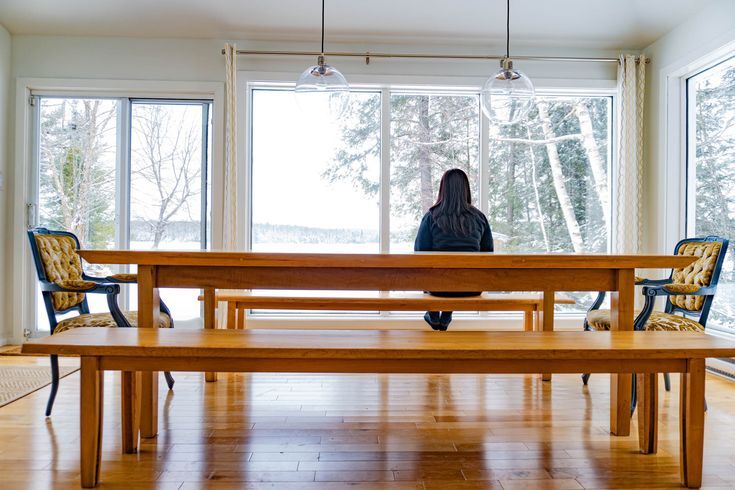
{"points": [[427, 271]]}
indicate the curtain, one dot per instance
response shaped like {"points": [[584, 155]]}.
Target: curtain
{"points": [[229, 209], [629, 169], [229, 221]]}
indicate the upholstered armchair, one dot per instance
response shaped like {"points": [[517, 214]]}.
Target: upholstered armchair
{"points": [[689, 293], [64, 286]]}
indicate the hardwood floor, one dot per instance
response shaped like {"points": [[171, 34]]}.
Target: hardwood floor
{"points": [[392, 432]]}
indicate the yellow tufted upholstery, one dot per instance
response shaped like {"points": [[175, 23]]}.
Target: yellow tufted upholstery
{"points": [[78, 285], [124, 277], [600, 320], [697, 274], [105, 320], [61, 263]]}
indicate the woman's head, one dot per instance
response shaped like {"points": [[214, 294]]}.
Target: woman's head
{"points": [[453, 210], [454, 188]]}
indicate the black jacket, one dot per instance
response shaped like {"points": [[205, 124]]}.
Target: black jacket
{"points": [[432, 238]]}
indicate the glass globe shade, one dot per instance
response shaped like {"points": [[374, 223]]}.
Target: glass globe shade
{"points": [[507, 96], [322, 90]]}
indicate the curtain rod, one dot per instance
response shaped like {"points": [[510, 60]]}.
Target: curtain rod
{"points": [[367, 55]]}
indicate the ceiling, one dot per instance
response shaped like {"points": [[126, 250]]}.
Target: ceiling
{"points": [[594, 24]]}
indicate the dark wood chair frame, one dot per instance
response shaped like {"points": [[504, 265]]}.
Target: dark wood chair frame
{"points": [[653, 288], [108, 286]]}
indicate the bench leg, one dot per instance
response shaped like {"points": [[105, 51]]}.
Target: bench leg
{"points": [[691, 408], [241, 317], [130, 411], [231, 315], [647, 412], [90, 423], [547, 315], [622, 301], [209, 322], [528, 323]]}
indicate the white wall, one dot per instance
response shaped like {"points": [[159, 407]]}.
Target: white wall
{"points": [[5, 53], [673, 56]]}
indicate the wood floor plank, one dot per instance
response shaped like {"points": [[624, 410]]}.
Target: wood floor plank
{"points": [[393, 432]]}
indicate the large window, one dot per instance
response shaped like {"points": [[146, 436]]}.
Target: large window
{"points": [[543, 183], [711, 172], [314, 181], [125, 173]]}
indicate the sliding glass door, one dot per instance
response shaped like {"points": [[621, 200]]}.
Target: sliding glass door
{"points": [[711, 173], [123, 173]]}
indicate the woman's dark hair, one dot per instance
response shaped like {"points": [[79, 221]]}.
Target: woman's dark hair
{"points": [[453, 211]]}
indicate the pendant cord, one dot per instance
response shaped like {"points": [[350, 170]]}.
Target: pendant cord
{"points": [[322, 27], [507, 30]]}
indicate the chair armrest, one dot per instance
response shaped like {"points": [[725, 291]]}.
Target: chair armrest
{"points": [[81, 287], [642, 281], [114, 278], [123, 278], [676, 290]]}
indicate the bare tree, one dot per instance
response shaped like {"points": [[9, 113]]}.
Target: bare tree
{"points": [[597, 164], [565, 202], [76, 187], [167, 158]]}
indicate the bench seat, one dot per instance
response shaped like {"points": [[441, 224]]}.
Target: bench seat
{"points": [[240, 301]]}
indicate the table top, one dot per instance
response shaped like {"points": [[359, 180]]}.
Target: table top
{"points": [[443, 260], [391, 344]]}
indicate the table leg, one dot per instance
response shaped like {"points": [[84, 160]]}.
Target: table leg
{"points": [[647, 386], [621, 318], [691, 409], [547, 322], [130, 411], [209, 322], [149, 308], [90, 423]]}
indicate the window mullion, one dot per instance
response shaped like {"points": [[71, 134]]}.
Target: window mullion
{"points": [[122, 186], [384, 224], [484, 163]]}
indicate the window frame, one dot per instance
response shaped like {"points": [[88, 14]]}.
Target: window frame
{"points": [[688, 155], [25, 178], [249, 81]]}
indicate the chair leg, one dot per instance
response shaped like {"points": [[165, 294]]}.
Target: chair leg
{"points": [[54, 384], [585, 378], [667, 382], [634, 395], [169, 380]]}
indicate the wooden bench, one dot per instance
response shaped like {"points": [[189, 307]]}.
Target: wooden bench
{"points": [[238, 302], [396, 351]]}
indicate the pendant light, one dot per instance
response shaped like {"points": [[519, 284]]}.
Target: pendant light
{"points": [[322, 90], [508, 95]]}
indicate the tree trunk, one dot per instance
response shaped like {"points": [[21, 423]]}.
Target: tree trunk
{"points": [[593, 155], [424, 154], [558, 177], [539, 211]]}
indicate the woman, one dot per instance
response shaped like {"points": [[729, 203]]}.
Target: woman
{"points": [[453, 224]]}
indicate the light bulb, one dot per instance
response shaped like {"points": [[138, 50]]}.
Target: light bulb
{"points": [[322, 90], [508, 95]]}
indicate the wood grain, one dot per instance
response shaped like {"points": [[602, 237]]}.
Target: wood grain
{"points": [[444, 260], [402, 344], [513, 431], [691, 407], [90, 422], [647, 387], [149, 305]]}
